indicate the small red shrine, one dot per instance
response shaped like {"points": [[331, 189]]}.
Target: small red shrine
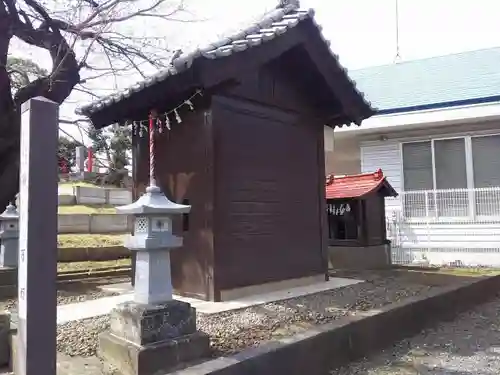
{"points": [[357, 235]]}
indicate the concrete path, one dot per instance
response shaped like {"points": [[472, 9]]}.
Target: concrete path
{"points": [[102, 306]]}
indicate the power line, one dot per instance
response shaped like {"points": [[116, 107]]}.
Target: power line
{"points": [[397, 58]]}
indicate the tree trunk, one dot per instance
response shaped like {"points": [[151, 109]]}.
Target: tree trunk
{"points": [[56, 87], [9, 119], [9, 166]]}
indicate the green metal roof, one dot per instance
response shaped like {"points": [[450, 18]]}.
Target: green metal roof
{"points": [[458, 79]]}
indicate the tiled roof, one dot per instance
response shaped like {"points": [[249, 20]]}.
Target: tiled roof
{"points": [[271, 26], [466, 76], [357, 186]]}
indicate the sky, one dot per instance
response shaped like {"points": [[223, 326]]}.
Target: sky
{"points": [[362, 32]]}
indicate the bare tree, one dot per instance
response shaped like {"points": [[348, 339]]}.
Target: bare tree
{"points": [[84, 40]]}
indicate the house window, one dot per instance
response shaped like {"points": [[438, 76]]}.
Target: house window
{"points": [[435, 165], [486, 167], [343, 220], [417, 166], [451, 173], [440, 165]]}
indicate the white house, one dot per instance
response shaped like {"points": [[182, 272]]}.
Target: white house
{"points": [[436, 137]]}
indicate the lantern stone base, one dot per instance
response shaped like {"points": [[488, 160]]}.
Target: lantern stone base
{"points": [[152, 339]]}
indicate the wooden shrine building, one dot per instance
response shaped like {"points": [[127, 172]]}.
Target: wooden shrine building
{"points": [[249, 157], [357, 236]]}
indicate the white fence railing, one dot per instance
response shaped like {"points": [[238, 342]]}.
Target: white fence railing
{"points": [[457, 204], [447, 227]]}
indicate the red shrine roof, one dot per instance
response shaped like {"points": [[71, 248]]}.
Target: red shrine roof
{"points": [[358, 185]]}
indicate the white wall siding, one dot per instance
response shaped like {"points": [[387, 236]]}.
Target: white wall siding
{"points": [[385, 155], [328, 138], [344, 157]]}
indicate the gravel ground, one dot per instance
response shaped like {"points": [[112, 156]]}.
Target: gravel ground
{"points": [[233, 331], [63, 298], [468, 345], [77, 293]]}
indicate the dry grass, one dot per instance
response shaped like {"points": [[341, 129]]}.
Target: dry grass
{"points": [[91, 265], [470, 272], [89, 240], [87, 209]]}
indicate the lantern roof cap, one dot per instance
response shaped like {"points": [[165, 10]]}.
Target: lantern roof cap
{"points": [[153, 201], [10, 213]]}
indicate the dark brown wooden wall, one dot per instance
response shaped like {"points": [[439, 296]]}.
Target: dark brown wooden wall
{"points": [[184, 171], [252, 168], [272, 86], [268, 217]]}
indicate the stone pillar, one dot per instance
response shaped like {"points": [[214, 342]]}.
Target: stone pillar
{"points": [[9, 237], [80, 159], [37, 269], [154, 333]]}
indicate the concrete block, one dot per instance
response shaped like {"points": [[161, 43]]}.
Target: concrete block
{"points": [[96, 195], [74, 223], [360, 258], [108, 223], [152, 359], [12, 350], [66, 199], [8, 276], [119, 197], [4, 339], [94, 223], [90, 195], [326, 347]]}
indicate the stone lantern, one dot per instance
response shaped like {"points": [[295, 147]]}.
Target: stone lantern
{"points": [[153, 240], [154, 332], [9, 237]]}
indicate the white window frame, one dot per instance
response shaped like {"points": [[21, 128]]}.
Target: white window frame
{"points": [[469, 167]]}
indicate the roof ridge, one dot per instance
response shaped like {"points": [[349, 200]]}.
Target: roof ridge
{"points": [[270, 26], [377, 175], [265, 21], [287, 17], [358, 185]]}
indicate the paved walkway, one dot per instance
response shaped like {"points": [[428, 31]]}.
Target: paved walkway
{"points": [[102, 306]]}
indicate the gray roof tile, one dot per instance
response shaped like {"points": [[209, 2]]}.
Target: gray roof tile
{"points": [[466, 76], [273, 24]]}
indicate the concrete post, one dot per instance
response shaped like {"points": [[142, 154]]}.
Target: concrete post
{"points": [[9, 237], [37, 270], [80, 159], [162, 330]]}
